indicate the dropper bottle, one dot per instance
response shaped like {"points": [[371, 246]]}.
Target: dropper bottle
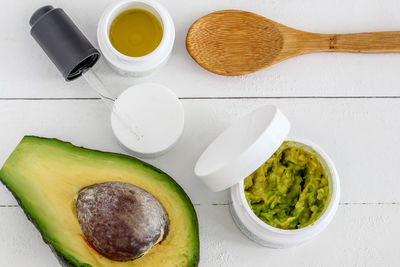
{"points": [[147, 119]]}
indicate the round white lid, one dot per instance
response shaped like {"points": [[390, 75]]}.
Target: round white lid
{"points": [[155, 116], [242, 148]]}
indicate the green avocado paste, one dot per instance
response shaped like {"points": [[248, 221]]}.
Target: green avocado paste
{"points": [[290, 190]]}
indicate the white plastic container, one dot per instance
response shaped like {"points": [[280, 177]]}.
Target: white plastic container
{"points": [[155, 115], [243, 148], [136, 66]]}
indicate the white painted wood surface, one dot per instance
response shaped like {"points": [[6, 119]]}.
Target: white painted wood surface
{"points": [[27, 72], [348, 104]]}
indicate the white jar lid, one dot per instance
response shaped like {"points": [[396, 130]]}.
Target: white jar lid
{"points": [[155, 116], [242, 148]]}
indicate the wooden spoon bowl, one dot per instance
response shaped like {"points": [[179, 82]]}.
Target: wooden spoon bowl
{"points": [[234, 42]]}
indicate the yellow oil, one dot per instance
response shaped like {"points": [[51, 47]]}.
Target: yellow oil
{"points": [[135, 32]]}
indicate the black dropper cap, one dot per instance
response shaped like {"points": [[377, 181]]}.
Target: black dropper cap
{"points": [[63, 42]]}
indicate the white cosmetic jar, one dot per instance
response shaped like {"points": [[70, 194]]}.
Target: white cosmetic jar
{"points": [[243, 148], [136, 66], [262, 233]]}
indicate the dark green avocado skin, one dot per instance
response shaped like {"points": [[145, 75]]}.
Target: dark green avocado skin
{"points": [[69, 260]]}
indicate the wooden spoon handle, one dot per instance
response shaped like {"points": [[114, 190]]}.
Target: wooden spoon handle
{"points": [[370, 42]]}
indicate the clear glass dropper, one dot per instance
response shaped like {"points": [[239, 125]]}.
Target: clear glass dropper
{"points": [[73, 55], [97, 85]]}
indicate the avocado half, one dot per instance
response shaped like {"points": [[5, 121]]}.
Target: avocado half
{"points": [[45, 175]]}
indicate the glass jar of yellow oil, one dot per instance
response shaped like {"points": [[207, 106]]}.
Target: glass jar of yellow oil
{"points": [[135, 32]]}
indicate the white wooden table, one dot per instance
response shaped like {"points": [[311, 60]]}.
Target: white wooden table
{"points": [[347, 103]]}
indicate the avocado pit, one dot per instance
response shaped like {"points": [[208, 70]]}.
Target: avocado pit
{"points": [[121, 221]]}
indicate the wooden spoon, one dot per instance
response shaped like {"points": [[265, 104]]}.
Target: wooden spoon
{"points": [[234, 42]]}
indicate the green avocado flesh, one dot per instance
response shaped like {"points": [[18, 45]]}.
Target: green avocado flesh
{"points": [[45, 176], [290, 190]]}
